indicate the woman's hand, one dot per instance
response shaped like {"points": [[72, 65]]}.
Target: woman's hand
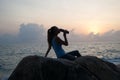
{"points": [[64, 31], [64, 34]]}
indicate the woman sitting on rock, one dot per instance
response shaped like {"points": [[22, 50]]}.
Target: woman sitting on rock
{"points": [[55, 42]]}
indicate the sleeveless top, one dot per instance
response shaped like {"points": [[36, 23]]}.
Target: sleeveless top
{"points": [[57, 48]]}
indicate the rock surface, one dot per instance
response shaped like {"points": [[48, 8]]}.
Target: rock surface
{"points": [[83, 68], [118, 66]]}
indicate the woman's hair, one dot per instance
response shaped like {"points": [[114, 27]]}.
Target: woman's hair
{"points": [[51, 33]]}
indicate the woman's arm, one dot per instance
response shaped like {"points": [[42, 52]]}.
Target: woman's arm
{"points": [[65, 38], [65, 42], [49, 47]]}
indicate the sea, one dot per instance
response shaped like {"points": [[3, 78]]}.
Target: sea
{"points": [[12, 54]]}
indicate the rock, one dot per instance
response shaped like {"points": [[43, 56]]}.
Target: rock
{"points": [[102, 70], [83, 68], [118, 66]]}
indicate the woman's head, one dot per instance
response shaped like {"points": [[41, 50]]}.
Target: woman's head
{"points": [[52, 32]]}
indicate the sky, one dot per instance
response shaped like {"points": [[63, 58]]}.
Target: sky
{"points": [[82, 16]]}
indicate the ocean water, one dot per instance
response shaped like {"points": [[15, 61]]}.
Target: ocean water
{"points": [[11, 54]]}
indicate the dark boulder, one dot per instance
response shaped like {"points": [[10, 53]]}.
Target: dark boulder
{"points": [[118, 66], [83, 68]]}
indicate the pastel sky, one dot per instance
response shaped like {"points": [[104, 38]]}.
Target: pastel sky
{"points": [[84, 16]]}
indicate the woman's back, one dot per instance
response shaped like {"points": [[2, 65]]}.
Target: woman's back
{"points": [[57, 48]]}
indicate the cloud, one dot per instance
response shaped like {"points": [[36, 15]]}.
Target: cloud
{"points": [[111, 35], [28, 33], [31, 32], [7, 38], [34, 33]]}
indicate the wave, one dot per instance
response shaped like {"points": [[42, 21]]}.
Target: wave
{"points": [[3, 78], [112, 50]]}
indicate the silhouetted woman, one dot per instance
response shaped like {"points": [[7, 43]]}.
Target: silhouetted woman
{"points": [[55, 42]]}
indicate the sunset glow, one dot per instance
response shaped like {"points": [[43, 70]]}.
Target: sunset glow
{"points": [[84, 16], [94, 29]]}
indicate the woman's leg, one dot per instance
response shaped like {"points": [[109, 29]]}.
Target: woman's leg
{"points": [[68, 56], [74, 53]]}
